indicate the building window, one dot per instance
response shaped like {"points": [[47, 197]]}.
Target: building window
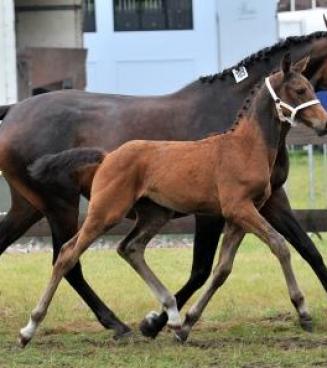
{"points": [[89, 22], [287, 5], [152, 15]]}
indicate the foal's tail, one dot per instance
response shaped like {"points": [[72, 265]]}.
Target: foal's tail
{"points": [[4, 110], [50, 168]]}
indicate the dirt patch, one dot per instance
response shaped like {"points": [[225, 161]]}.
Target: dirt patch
{"points": [[283, 343], [279, 317], [75, 327]]}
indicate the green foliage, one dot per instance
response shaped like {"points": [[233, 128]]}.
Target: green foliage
{"points": [[298, 187]]}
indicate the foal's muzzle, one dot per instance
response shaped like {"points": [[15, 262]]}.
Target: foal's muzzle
{"points": [[322, 132]]}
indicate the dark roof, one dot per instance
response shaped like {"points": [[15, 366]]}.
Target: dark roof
{"points": [[284, 5]]}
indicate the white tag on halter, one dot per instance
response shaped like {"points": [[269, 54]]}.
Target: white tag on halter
{"points": [[240, 74]]}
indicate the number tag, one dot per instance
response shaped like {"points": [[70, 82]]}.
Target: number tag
{"points": [[240, 74]]}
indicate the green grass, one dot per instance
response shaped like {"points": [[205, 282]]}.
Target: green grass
{"points": [[249, 323], [297, 186]]}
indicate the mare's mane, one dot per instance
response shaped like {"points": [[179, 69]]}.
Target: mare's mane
{"points": [[265, 54]]}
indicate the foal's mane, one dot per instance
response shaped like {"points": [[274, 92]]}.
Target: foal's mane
{"points": [[242, 111], [265, 54]]}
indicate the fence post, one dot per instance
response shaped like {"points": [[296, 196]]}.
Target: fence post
{"points": [[312, 198]]}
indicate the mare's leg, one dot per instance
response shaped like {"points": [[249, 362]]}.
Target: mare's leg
{"points": [[232, 239], [21, 216], [149, 222], [63, 221], [207, 233], [279, 214]]}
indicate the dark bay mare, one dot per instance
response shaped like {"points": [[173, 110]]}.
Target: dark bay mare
{"points": [[226, 175], [63, 120]]}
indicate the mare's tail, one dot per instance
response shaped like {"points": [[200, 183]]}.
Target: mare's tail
{"points": [[4, 110], [50, 169]]}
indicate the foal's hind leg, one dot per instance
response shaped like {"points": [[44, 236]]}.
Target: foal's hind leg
{"points": [[149, 222], [63, 220], [39, 313], [232, 239], [97, 222]]}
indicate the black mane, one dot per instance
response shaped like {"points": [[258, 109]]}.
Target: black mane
{"points": [[265, 54]]}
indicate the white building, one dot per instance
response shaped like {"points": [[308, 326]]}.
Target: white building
{"points": [[157, 46], [40, 46], [301, 22], [8, 80]]}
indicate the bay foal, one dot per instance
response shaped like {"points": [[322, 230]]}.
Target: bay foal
{"points": [[227, 174]]}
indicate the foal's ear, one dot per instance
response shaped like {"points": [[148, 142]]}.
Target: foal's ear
{"points": [[301, 65], [286, 63]]}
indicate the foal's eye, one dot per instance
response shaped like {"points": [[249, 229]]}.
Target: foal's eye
{"points": [[300, 91]]}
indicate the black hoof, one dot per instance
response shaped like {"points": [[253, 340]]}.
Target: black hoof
{"points": [[181, 335], [306, 324], [149, 328], [122, 334], [22, 341]]}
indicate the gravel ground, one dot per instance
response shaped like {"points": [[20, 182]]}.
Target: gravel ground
{"points": [[32, 245]]}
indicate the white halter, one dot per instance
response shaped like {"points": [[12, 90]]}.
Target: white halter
{"points": [[280, 104]]}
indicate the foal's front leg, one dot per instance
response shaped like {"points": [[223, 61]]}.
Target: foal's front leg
{"points": [[250, 219], [233, 236]]}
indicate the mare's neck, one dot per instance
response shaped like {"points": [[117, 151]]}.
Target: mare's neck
{"points": [[223, 94]]}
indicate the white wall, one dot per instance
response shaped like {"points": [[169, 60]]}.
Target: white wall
{"points": [[157, 62], [150, 62], [8, 84], [301, 22], [245, 26]]}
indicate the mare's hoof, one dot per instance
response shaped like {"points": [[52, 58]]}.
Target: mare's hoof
{"points": [[22, 341], [181, 335], [148, 326], [174, 326], [123, 334], [306, 324]]}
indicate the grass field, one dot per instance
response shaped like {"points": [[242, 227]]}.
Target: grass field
{"points": [[249, 323]]}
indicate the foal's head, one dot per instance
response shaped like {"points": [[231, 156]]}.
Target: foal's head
{"points": [[296, 101]]}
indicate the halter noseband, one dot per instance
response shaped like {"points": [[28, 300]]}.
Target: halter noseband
{"points": [[280, 104]]}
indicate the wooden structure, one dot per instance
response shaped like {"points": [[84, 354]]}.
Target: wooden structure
{"points": [[47, 69]]}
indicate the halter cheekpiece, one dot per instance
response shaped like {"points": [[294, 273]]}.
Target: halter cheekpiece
{"points": [[281, 104]]}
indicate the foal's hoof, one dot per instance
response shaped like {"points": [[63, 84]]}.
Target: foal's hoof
{"points": [[148, 326], [181, 335], [306, 324], [23, 340]]}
